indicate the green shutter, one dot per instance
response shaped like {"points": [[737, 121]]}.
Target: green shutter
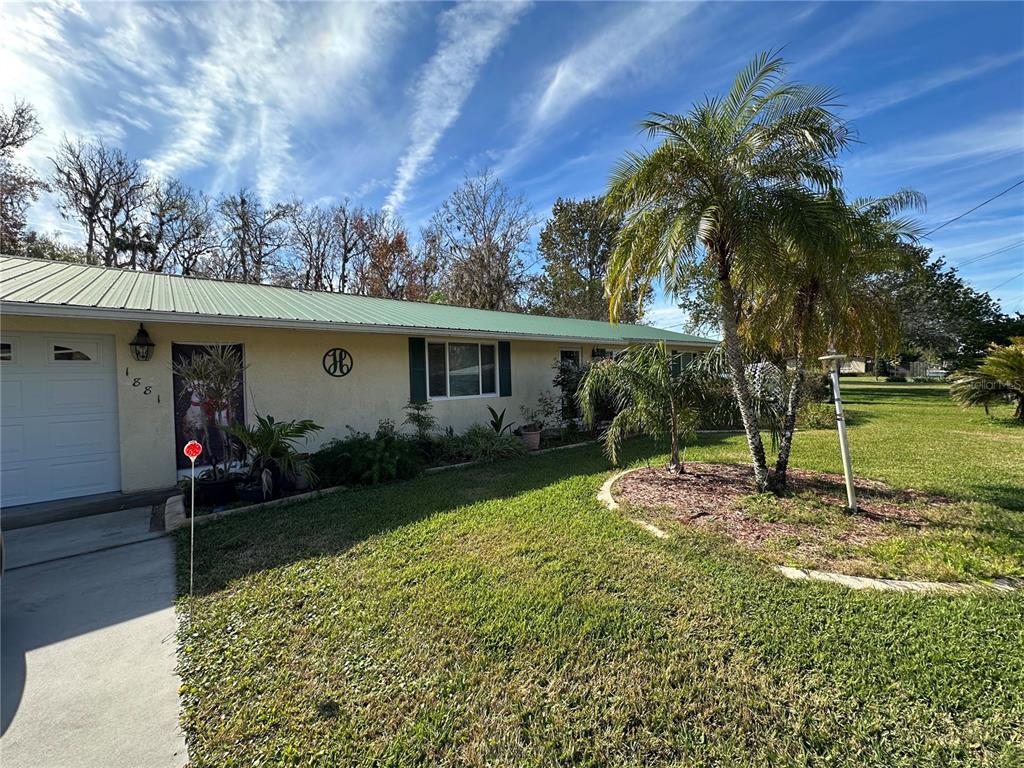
{"points": [[417, 369], [504, 369]]}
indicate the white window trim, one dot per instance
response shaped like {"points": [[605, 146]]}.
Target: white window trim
{"points": [[14, 351], [480, 369], [95, 360]]}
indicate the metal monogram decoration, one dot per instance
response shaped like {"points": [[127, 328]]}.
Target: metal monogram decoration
{"points": [[337, 362]]}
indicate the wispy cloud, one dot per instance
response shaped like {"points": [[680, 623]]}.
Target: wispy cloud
{"points": [[263, 72], [219, 87], [470, 33], [994, 138], [898, 93], [609, 55], [875, 21]]}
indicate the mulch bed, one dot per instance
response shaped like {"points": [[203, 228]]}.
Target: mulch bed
{"points": [[711, 495]]}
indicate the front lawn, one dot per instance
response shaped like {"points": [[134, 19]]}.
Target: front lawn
{"points": [[950, 509], [501, 616]]}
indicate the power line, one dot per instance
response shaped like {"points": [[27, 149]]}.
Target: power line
{"points": [[979, 205], [990, 254], [1011, 279]]}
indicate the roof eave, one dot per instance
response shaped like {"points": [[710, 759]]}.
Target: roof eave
{"points": [[146, 315]]}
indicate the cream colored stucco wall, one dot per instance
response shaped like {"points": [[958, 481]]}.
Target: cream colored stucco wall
{"points": [[285, 378]]}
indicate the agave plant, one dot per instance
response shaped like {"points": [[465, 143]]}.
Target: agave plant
{"points": [[999, 378], [271, 445], [498, 423]]}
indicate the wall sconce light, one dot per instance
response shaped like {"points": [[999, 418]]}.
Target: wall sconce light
{"points": [[142, 346]]}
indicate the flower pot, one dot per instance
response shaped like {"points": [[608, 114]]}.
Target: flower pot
{"points": [[532, 439], [253, 493], [216, 493]]}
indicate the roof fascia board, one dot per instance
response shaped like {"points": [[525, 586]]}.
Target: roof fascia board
{"points": [[136, 315]]}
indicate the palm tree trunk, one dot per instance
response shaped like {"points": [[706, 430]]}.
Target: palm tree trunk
{"points": [[674, 465], [740, 388], [779, 477]]}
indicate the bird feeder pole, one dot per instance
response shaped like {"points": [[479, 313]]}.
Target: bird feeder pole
{"points": [[834, 360]]}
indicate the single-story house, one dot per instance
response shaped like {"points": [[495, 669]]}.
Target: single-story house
{"points": [[82, 415]]}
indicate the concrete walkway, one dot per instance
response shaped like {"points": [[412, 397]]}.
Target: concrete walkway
{"points": [[88, 649]]}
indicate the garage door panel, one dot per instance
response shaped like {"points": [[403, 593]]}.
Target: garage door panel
{"points": [[11, 394], [81, 436], [12, 441], [14, 484], [58, 421], [79, 395], [79, 477]]}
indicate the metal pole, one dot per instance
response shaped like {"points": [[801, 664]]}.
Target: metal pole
{"points": [[192, 529], [844, 446]]}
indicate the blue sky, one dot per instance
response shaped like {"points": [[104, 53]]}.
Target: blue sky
{"points": [[393, 103]]}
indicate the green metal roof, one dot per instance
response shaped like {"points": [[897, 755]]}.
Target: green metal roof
{"points": [[34, 286]]}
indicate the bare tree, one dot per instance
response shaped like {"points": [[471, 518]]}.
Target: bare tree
{"points": [[253, 235], [19, 186], [316, 241], [354, 228], [104, 191], [181, 227], [482, 230]]}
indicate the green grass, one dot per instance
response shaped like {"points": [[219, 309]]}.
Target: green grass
{"points": [[502, 616], [912, 437]]}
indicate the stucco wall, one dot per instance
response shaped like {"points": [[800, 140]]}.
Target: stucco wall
{"points": [[285, 378]]}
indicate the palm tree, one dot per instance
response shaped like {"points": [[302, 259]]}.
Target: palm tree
{"points": [[649, 396], [730, 180], [1000, 377], [825, 294]]}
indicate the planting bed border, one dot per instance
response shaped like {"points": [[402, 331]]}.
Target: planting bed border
{"points": [[174, 508], [607, 497]]}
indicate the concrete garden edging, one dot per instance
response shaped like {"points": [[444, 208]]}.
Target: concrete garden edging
{"points": [[466, 464], [175, 517], [606, 497]]}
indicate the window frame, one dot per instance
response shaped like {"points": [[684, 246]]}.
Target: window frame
{"points": [[87, 346], [13, 359], [479, 366], [578, 351]]}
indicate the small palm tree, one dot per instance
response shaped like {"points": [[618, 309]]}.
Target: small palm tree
{"points": [[826, 294], [999, 378], [730, 181], [650, 398]]}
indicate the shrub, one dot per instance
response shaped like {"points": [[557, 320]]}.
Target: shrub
{"points": [[273, 447], [817, 388], [896, 378], [816, 416], [481, 443], [364, 460], [419, 417]]}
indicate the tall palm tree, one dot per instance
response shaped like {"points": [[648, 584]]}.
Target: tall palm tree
{"points": [[651, 396], [729, 181], [825, 294]]}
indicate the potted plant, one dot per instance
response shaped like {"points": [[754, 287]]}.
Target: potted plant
{"points": [[275, 463], [214, 374], [535, 420]]}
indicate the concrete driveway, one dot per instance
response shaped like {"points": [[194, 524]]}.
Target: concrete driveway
{"points": [[88, 648]]}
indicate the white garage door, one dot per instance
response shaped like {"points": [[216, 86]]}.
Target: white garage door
{"points": [[58, 417]]}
